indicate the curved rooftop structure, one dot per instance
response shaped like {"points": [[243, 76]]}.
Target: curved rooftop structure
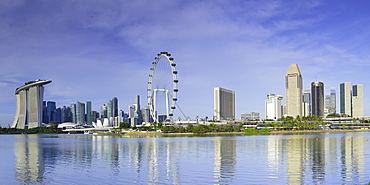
{"points": [[29, 98], [31, 84]]}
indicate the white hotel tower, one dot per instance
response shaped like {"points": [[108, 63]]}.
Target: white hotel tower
{"points": [[273, 106], [29, 100]]}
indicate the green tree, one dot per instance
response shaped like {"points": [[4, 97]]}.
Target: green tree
{"points": [[190, 128]]}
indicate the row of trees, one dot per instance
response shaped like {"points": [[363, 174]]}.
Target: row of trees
{"points": [[202, 128], [51, 129], [305, 122]]}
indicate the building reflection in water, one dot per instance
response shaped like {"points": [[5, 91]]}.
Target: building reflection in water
{"points": [[29, 162], [352, 160], [314, 159], [300, 159], [224, 164]]}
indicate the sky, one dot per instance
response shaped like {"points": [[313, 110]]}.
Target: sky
{"points": [[95, 50]]}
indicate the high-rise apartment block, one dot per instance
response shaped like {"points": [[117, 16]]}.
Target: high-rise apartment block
{"points": [[224, 104], [357, 101], [273, 108], [293, 84], [317, 92], [345, 98], [29, 104]]}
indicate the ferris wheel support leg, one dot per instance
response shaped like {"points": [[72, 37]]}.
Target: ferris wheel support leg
{"points": [[155, 106], [167, 107]]}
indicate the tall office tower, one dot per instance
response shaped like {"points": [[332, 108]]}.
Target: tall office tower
{"points": [[57, 113], [80, 113], [109, 109], [330, 102], [88, 113], [224, 104], [66, 114], [306, 106], [138, 110], [293, 83], [73, 113], [29, 104], [103, 111], [273, 106], [317, 91], [44, 112], [345, 98], [94, 116], [50, 107], [131, 111], [115, 106], [357, 101]]}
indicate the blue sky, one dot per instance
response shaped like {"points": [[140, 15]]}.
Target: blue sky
{"points": [[96, 50]]}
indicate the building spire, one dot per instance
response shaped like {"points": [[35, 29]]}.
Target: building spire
{"points": [[293, 69]]}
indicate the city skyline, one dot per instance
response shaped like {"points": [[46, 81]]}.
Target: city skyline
{"points": [[100, 50]]}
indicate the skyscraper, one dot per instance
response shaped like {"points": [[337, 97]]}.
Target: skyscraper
{"points": [[357, 101], [138, 110], [330, 102], [317, 92], [29, 104], [293, 83], [306, 106], [66, 114], [109, 109], [103, 111], [50, 107], [273, 106], [73, 113], [80, 113], [345, 98], [224, 104], [88, 113], [115, 106]]}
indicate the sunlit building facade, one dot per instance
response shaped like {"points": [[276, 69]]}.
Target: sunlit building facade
{"points": [[273, 110], [357, 101]]}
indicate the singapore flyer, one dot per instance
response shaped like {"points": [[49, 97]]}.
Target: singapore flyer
{"points": [[162, 88]]}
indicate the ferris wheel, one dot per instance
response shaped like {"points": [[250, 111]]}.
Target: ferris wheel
{"points": [[162, 87]]}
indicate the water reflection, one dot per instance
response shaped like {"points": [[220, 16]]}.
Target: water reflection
{"points": [[29, 161], [224, 165], [286, 159]]}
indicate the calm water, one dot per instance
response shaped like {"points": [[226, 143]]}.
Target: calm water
{"points": [[330, 158]]}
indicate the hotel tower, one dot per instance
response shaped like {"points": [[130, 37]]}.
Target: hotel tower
{"points": [[29, 98], [224, 104]]}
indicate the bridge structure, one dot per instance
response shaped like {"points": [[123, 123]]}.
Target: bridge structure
{"points": [[87, 130]]}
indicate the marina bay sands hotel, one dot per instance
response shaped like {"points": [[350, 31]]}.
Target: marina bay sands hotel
{"points": [[29, 98]]}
